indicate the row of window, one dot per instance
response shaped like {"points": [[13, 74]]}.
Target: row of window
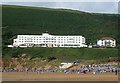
{"points": [[107, 43], [51, 41], [50, 38], [55, 44]]}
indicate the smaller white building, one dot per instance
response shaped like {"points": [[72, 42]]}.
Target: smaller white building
{"points": [[107, 42]]}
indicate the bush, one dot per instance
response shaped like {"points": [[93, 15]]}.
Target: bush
{"points": [[50, 58]]}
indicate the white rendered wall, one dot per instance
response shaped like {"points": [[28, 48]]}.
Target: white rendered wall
{"points": [[102, 43], [50, 40]]}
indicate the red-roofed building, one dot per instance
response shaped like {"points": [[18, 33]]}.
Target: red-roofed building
{"points": [[107, 42], [107, 38]]}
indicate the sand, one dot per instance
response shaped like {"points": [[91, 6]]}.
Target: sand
{"points": [[34, 76]]}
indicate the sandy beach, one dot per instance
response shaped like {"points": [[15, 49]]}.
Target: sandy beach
{"points": [[34, 76]]}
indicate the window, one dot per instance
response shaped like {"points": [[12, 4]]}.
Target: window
{"points": [[101, 42]]}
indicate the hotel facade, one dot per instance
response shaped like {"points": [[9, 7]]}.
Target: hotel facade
{"points": [[47, 40]]}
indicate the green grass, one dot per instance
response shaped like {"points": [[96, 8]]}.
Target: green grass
{"points": [[33, 20], [65, 54]]}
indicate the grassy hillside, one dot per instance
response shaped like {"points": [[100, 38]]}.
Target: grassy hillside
{"points": [[33, 20], [65, 54]]}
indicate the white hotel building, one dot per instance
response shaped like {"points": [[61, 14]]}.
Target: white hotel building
{"points": [[47, 40]]}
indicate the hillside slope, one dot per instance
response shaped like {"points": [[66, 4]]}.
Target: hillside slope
{"points": [[33, 20], [65, 54]]}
